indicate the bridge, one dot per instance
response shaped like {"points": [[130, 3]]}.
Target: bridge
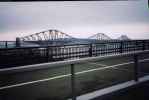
{"points": [[55, 37], [100, 36], [81, 70], [47, 35], [123, 37], [52, 36]]}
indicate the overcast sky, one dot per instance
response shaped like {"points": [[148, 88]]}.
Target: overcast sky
{"points": [[79, 19]]}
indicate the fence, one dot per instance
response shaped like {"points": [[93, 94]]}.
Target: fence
{"points": [[31, 55], [72, 64], [7, 44]]}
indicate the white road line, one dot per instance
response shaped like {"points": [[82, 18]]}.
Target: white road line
{"points": [[115, 66], [127, 70], [103, 65], [119, 64], [32, 82], [112, 65], [62, 76]]}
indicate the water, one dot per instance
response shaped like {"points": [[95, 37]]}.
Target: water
{"points": [[10, 44]]}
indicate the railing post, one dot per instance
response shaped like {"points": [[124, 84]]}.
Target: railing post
{"points": [[136, 68], [73, 82], [144, 44], [6, 44], [47, 53], [121, 47], [147, 45], [50, 51], [90, 50], [136, 43]]}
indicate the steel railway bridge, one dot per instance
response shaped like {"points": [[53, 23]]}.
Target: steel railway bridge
{"points": [[48, 37], [56, 37]]}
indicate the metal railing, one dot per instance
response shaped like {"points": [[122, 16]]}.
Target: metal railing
{"points": [[7, 44], [71, 64], [19, 56]]}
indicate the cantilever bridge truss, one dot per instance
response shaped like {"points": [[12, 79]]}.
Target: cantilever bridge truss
{"points": [[58, 37], [49, 35], [100, 36]]}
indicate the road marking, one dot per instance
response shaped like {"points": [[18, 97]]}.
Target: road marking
{"points": [[118, 65], [131, 62], [62, 76]]}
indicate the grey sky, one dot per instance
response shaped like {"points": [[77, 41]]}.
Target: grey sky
{"points": [[79, 19]]}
